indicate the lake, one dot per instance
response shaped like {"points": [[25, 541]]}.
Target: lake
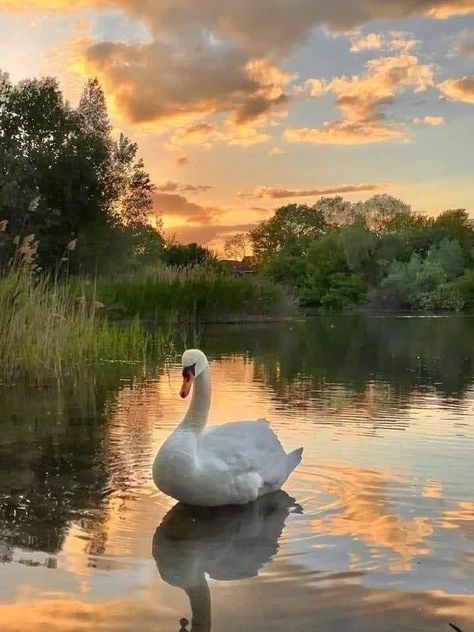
{"points": [[374, 531]]}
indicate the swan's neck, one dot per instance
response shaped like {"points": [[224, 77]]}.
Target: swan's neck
{"points": [[196, 417], [200, 600]]}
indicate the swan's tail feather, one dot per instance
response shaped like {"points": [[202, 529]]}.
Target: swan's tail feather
{"points": [[294, 459]]}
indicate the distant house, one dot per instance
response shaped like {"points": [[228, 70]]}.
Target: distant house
{"points": [[246, 266]]}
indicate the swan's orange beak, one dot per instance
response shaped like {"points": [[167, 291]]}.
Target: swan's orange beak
{"points": [[188, 378]]}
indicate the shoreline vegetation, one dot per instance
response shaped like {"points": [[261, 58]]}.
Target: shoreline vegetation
{"points": [[77, 209], [46, 334]]}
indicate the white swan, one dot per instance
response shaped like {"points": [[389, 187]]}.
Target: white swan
{"points": [[231, 464]]}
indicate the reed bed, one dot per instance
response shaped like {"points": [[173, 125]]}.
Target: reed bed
{"points": [[46, 332], [189, 294]]}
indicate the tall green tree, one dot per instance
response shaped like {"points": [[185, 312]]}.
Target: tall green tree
{"points": [[382, 212], [63, 176], [293, 226]]}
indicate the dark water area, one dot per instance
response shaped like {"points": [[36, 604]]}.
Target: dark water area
{"points": [[373, 532]]}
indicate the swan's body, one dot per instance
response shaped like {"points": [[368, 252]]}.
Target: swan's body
{"points": [[231, 464]]}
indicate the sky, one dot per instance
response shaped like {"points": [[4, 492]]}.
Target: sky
{"points": [[241, 106]]}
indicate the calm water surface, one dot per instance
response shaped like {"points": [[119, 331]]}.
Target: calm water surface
{"points": [[374, 532]]}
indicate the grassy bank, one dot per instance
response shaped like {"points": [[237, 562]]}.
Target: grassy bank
{"points": [[46, 332], [188, 295]]}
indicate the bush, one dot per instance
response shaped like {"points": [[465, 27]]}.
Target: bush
{"points": [[465, 285], [344, 290]]}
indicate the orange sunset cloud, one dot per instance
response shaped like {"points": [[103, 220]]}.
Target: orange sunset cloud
{"points": [[277, 193], [461, 89], [361, 99]]}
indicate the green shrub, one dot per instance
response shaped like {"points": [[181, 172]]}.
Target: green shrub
{"points": [[465, 285]]}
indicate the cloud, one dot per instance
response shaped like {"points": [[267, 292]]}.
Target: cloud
{"points": [[361, 100], [201, 133], [196, 188], [459, 89], [371, 41], [178, 206], [285, 24], [207, 57], [443, 10], [206, 135], [244, 23], [400, 41], [465, 43], [172, 187], [183, 160], [276, 151], [277, 193], [345, 133], [162, 85], [167, 187], [315, 87], [209, 233], [394, 41], [434, 121]]}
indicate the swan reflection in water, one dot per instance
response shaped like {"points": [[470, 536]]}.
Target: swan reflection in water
{"points": [[226, 543]]}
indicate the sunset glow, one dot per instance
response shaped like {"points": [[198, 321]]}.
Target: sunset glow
{"points": [[238, 109]]}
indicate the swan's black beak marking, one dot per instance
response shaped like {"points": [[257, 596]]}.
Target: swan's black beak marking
{"points": [[189, 373], [189, 370]]}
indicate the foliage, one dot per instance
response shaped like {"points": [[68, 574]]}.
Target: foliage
{"points": [[45, 332], [63, 177], [236, 247], [287, 267], [186, 254], [382, 212], [465, 286], [343, 290], [336, 254], [448, 255], [191, 293], [295, 226]]}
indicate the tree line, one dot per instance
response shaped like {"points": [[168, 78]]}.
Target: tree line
{"points": [[378, 253]]}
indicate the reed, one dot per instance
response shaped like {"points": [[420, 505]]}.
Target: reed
{"points": [[188, 294], [45, 333]]}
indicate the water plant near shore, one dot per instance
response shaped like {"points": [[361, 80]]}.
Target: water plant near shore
{"points": [[45, 332], [191, 293]]}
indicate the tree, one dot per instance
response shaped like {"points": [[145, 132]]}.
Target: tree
{"points": [[236, 247], [186, 254], [336, 211], [294, 225], [288, 268], [43, 142], [456, 224], [325, 258], [359, 246], [382, 212], [93, 109], [448, 255], [63, 177], [410, 285]]}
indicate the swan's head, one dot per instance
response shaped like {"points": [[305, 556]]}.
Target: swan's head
{"points": [[194, 363]]}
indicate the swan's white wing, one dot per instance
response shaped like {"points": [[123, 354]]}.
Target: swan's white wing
{"points": [[245, 452]]}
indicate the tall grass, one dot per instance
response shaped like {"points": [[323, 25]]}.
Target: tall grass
{"points": [[44, 332], [189, 294]]}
